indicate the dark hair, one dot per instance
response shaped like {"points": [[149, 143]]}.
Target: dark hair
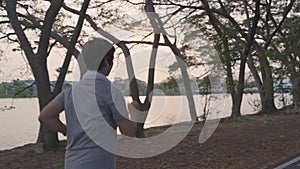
{"points": [[96, 51]]}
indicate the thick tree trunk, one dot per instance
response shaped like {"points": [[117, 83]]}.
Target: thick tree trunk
{"points": [[46, 137], [49, 139], [236, 100], [296, 91], [256, 76], [266, 96], [236, 107], [266, 90], [265, 82], [237, 97], [268, 105]]}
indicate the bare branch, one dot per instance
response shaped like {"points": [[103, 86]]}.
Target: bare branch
{"points": [[22, 90], [9, 38], [143, 42], [47, 26], [4, 22], [78, 28], [247, 13], [11, 10], [286, 12], [62, 40], [25, 7], [101, 4], [135, 3], [212, 18], [182, 18], [51, 47]]}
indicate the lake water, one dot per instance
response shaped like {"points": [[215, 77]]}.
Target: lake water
{"points": [[20, 126]]}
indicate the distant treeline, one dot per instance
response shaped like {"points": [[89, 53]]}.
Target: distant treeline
{"points": [[170, 86], [21, 89]]}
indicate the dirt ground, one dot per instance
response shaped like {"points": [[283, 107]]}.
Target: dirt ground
{"points": [[252, 142]]}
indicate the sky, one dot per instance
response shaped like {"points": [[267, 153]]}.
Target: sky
{"points": [[13, 65]]}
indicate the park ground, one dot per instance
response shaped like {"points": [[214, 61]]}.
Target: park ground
{"points": [[256, 141]]}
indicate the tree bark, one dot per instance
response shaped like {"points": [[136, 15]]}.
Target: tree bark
{"points": [[236, 104], [296, 91], [267, 93]]}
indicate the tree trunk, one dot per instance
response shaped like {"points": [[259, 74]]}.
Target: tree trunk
{"points": [[256, 76], [265, 83], [265, 88], [140, 130], [150, 86], [296, 91], [236, 100], [236, 107], [48, 138], [268, 105]]}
